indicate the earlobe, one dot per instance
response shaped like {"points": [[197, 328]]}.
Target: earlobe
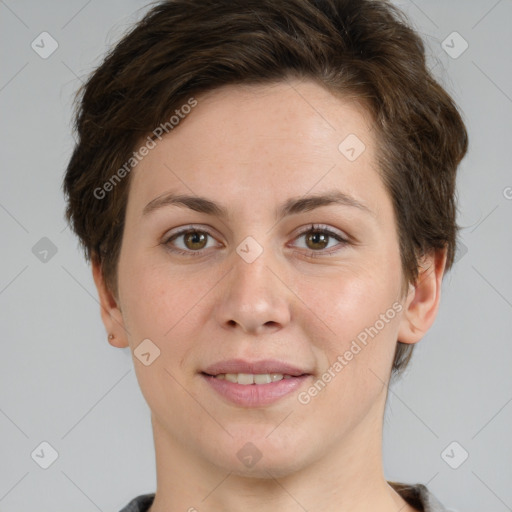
{"points": [[110, 312], [422, 302]]}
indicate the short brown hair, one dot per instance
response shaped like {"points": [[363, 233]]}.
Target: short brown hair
{"points": [[361, 48]]}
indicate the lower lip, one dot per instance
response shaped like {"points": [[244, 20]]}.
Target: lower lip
{"points": [[255, 395]]}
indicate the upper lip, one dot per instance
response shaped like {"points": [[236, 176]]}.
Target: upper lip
{"points": [[253, 367]]}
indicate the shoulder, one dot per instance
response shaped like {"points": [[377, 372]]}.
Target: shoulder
{"points": [[418, 496], [140, 503]]}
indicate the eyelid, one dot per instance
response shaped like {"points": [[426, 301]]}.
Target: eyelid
{"points": [[189, 227]]}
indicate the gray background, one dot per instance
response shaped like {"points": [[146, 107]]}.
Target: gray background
{"points": [[61, 382]]}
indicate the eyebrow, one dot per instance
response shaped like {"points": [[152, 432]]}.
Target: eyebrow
{"points": [[292, 206]]}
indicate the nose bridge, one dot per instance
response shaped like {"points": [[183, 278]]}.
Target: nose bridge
{"points": [[254, 298], [251, 265]]}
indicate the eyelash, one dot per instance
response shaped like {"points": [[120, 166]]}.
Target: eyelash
{"points": [[313, 228]]}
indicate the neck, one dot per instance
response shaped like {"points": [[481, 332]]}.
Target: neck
{"points": [[348, 478]]}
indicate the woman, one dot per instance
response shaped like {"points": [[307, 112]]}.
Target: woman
{"points": [[266, 193]]}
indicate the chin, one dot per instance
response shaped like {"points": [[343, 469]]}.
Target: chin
{"points": [[256, 454], [266, 468]]}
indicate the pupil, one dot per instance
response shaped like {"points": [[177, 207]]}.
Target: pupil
{"points": [[196, 237], [315, 238]]}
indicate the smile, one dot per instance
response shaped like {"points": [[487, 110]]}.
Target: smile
{"points": [[251, 378]]}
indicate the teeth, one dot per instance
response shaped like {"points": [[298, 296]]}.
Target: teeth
{"points": [[249, 378], [264, 378], [245, 378]]}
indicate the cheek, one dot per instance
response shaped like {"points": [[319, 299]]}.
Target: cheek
{"points": [[160, 307], [360, 312], [161, 304]]}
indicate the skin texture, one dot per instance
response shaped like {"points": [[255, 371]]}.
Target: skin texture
{"points": [[250, 149]]}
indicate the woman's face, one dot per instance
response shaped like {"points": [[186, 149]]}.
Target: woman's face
{"points": [[257, 289]]}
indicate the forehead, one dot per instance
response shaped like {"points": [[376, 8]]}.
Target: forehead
{"points": [[282, 139]]}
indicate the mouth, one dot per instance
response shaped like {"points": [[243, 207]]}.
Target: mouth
{"points": [[254, 384], [246, 379]]}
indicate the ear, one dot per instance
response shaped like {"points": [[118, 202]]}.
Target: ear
{"points": [[422, 303], [110, 311]]}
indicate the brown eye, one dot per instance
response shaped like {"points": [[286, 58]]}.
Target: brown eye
{"points": [[195, 240], [317, 240], [189, 242], [321, 241]]}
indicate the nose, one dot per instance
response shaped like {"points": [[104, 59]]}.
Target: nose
{"points": [[254, 296]]}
